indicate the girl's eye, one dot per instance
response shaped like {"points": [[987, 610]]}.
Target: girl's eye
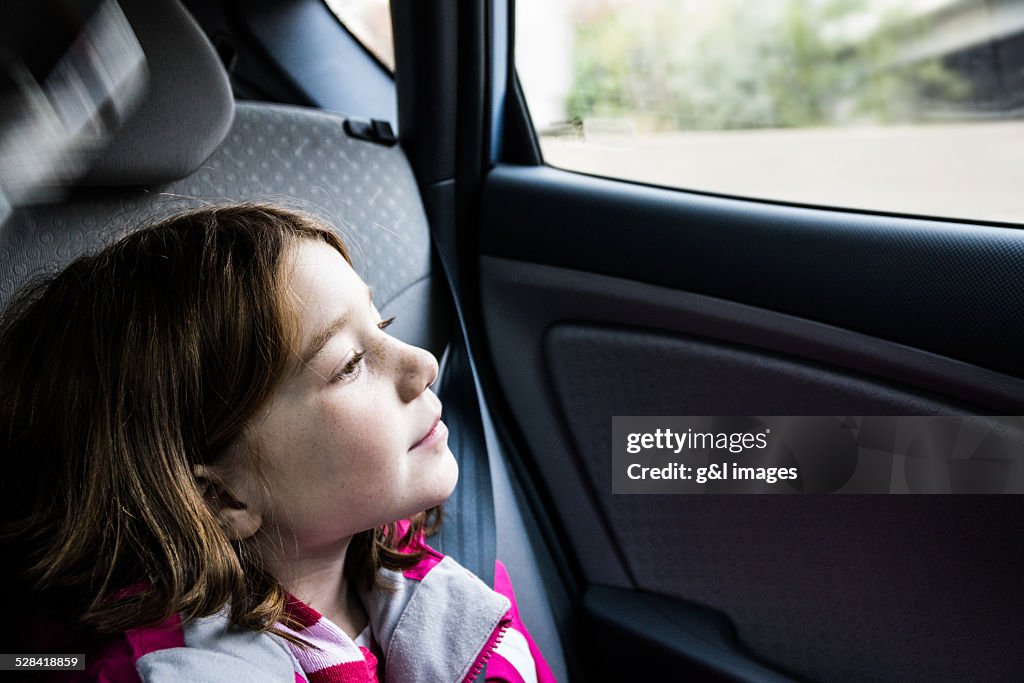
{"points": [[350, 368]]}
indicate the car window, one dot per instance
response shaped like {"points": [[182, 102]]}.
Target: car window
{"points": [[905, 106], [370, 22]]}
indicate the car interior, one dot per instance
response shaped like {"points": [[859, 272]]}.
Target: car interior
{"points": [[557, 300]]}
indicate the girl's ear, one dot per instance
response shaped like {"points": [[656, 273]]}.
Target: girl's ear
{"points": [[238, 519]]}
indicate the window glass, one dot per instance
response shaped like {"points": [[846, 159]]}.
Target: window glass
{"points": [[370, 22], [909, 106]]}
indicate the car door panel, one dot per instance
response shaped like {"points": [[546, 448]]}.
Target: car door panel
{"points": [[602, 298], [953, 289]]}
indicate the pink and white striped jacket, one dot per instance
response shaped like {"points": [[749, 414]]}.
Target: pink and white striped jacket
{"points": [[441, 624]]}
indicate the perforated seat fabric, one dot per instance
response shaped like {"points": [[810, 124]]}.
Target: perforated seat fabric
{"points": [[287, 155]]}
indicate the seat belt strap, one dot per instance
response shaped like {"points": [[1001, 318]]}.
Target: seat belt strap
{"points": [[470, 537]]}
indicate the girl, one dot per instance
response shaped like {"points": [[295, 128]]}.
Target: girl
{"points": [[217, 463]]}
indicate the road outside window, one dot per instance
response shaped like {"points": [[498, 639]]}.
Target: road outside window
{"points": [[905, 106]]}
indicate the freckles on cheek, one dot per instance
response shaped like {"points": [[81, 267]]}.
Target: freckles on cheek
{"points": [[388, 360]]}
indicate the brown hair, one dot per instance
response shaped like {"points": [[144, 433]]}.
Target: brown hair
{"points": [[117, 377]]}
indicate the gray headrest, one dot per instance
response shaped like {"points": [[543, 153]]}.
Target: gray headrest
{"points": [[187, 108]]}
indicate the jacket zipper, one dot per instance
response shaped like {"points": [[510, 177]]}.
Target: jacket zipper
{"points": [[489, 648]]}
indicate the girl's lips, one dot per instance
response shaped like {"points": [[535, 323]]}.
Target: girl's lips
{"points": [[437, 433]]}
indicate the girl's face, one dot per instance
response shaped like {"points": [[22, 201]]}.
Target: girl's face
{"points": [[351, 439]]}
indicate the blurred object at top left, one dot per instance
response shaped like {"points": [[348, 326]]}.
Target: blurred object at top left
{"points": [[71, 72]]}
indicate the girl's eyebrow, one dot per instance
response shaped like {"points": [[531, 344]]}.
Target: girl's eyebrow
{"points": [[322, 336]]}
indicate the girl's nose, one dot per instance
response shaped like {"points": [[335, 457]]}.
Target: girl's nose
{"points": [[419, 370]]}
